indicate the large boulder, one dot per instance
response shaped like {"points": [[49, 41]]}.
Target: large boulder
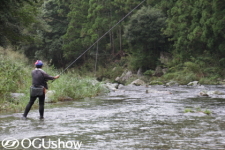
{"points": [[124, 77]]}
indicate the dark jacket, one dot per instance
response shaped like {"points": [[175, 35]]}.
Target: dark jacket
{"points": [[40, 78]]}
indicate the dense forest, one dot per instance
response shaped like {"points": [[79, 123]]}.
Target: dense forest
{"points": [[192, 32]]}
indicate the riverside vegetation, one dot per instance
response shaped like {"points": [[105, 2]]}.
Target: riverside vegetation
{"points": [[79, 83], [16, 78]]}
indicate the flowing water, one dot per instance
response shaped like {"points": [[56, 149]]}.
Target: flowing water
{"points": [[130, 118]]}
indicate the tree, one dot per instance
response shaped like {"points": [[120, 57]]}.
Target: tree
{"points": [[143, 32], [54, 15], [89, 20], [195, 26], [75, 39], [47, 43], [15, 16]]}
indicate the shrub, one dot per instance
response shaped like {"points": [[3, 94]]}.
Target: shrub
{"points": [[149, 72], [13, 78], [13, 74], [75, 87]]}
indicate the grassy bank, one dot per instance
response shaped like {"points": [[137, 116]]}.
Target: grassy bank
{"points": [[16, 78]]}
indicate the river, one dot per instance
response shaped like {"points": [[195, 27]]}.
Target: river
{"points": [[130, 118]]}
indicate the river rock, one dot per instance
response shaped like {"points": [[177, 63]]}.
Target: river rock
{"points": [[172, 83], [112, 86], [49, 96], [120, 86], [203, 93], [117, 79], [138, 82], [194, 83], [124, 77]]}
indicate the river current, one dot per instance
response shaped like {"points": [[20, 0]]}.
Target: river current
{"points": [[130, 118]]}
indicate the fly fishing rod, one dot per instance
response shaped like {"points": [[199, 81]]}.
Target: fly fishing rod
{"points": [[101, 37]]}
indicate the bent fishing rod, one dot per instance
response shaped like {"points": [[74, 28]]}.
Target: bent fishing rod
{"points": [[101, 37]]}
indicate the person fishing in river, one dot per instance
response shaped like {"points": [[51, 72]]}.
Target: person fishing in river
{"points": [[38, 88]]}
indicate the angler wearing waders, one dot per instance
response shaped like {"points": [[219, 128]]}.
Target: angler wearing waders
{"points": [[38, 88]]}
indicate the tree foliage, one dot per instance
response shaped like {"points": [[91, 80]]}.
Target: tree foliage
{"points": [[195, 27], [74, 39], [61, 30], [143, 32], [89, 20], [55, 22], [15, 17]]}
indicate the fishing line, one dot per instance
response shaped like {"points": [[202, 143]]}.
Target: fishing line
{"points": [[101, 37]]}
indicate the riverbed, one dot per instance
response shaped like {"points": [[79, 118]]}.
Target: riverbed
{"points": [[129, 118]]}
